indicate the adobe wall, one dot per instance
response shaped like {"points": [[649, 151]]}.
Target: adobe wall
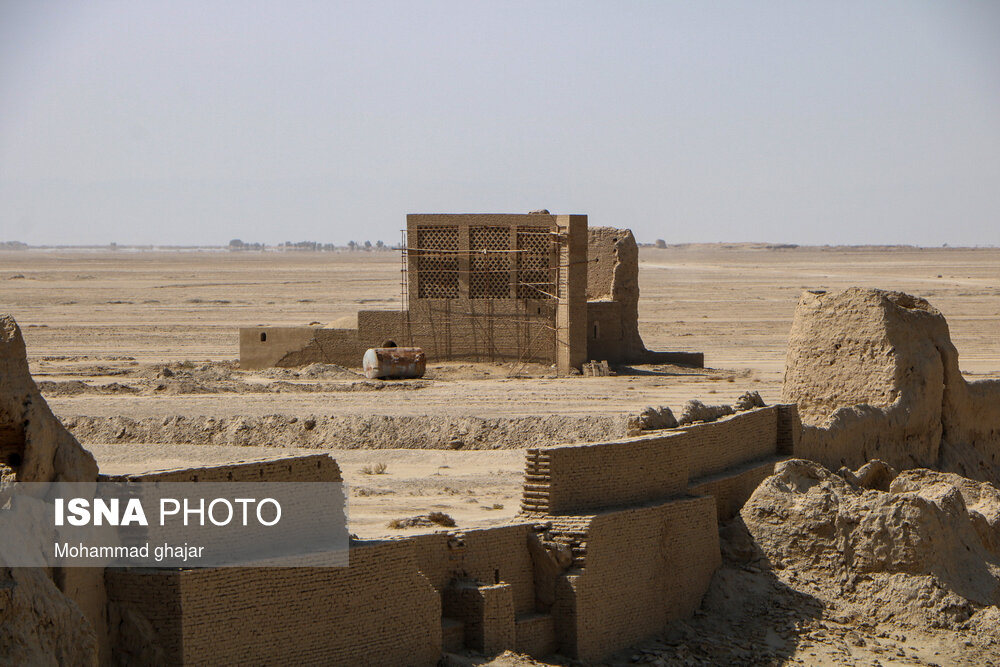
{"points": [[144, 610], [378, 611], [645, 566], [605, 331], [613, 303], [263, 347], [481, 329], [577, 478], [488, 287], [875, 375], [647, 562], [305, 468], [487, 556], [730, 441], [571, 309], [733, 487], [326, 346], [465, 302], [613, 275]]}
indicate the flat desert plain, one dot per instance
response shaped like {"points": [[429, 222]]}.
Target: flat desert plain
{"points": [[136, 351]]}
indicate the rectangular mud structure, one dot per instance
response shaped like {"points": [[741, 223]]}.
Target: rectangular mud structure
{"points": [[492, 287]]}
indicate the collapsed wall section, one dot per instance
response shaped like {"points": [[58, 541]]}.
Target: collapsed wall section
{"points": [[613, 303], [487, 556], [613, 286]]}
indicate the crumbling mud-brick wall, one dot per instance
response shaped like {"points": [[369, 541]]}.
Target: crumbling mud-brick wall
{"points": [[613, 302], [476, 571], [41, 618], [493, 287], [639, 518], [875, 375], [586, 578], [486, 556], [378, 611], [577, 478], [569, 479], [305, 468], [645, 566], [613, 286], [34, 445]]}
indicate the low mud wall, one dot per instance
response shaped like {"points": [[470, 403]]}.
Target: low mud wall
{"points": [[309, 468], [354, 432], [379, 611], [645, 567], [570, 479]]}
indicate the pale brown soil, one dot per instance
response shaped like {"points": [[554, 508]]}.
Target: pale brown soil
{"points": [[100, 326], [474, 488]]}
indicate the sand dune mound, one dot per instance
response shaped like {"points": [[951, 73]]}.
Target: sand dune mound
{"points": [[982, 500], [915, 554]]}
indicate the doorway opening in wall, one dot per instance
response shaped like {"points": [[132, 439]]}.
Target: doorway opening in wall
{"points": [[263, 337], [597, 330], [389, 343], [496, 576]]}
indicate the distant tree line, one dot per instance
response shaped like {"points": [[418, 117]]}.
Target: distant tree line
{"points": [[237, 244], [314, 246]]}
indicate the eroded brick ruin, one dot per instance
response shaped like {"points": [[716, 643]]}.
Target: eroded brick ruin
{"points": [[614, 541], [493, 287]]}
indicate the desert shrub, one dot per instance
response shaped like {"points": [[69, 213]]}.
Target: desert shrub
{"points": [[379, 468]]}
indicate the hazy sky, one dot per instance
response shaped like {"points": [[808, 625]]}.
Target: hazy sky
{"points": [[197, 122]]}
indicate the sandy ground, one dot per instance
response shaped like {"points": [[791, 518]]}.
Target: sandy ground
{"points": [[101, 325], [474, 488], [101, 317], [732, 302], [89, 314]]}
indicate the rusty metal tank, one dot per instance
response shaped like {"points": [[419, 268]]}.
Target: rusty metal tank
{"points": [[394, 362]]}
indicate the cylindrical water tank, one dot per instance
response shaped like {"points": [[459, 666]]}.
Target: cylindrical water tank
{"points": [[394, 362]]}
